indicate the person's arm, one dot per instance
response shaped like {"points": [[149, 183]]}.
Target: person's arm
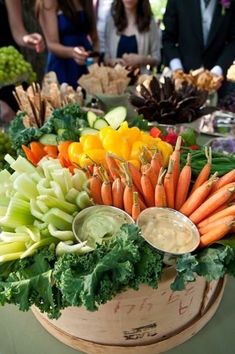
{"points": [[170, 36], [49, 24], [20, 35]]}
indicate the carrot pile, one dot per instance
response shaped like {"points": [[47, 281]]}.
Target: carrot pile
{"points": [[208, 203]]}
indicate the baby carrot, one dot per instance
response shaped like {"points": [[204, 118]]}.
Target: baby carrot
{"points": [[211, 204], [135, 176], [112, 166], [152, 176], [141, 200], [128, 190], [222, 181], [117, 192], [95, 189], [148, 190], [230, 210], [135, 207], [156, 163], [176, 158], [169, 185], [183, 184], [215, 234], [160, 195], [212, 225], [205, 172], [196, 198], [106, 188]]}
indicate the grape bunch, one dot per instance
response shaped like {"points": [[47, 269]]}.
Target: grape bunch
{"points": [[14, 68], [5, 148]]}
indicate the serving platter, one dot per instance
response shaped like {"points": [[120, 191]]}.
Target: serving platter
{"points": [[218, 123]]}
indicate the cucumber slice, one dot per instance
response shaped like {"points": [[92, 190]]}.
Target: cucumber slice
{"points": [[88, 131], [116, 116], [100, 123], [91, 118], [48, 139]]}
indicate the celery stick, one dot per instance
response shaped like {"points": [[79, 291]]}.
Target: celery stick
{"points": [[20, 196], [40, 225], [78, 180], [52, 202], [32, 249], [8, 158], [42, 206], [44, 187], [18, 213], [4, 177], [61, 235], [10, 257], [58, 193], [11, 247], [24, 185], [72, 195], [59, 219], [83, 200], [78, 248], [13, 237], [4, 201], [35, 211], [3, 210], [63, 178], [22, 165], [31, 231]]}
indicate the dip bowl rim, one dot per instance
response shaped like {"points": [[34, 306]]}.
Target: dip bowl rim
{"points": [[184, 218]]}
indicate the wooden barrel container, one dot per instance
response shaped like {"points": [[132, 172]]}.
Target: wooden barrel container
{"points": [[139, 322]]}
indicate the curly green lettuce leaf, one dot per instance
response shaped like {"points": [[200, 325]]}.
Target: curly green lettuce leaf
{"points": [[94, 278], [211, 263], [30, 282]]}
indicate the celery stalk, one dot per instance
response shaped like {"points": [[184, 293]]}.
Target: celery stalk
{"points": [[61, 235], [63, 178], [72, 195], [83, 200], [59, 219], [42, 206], [52, 202], [31, 231], [13, 236], [58, 193], [18, 213], [78, 248], [32, 249], [10, 257], [35, 211], [24, 185], [78, 180], [11, 247]]}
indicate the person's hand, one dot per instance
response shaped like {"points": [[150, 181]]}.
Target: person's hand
{"points": [[34, 41], [80, 55], [132, 59]]}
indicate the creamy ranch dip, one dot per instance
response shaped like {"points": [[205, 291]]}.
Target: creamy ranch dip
{"points": [[168, 230]]}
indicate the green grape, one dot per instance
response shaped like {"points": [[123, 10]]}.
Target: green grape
{"points": [[13, 67]]}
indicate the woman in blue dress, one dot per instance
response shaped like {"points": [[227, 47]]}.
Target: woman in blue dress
{"points": [[70, 31]]}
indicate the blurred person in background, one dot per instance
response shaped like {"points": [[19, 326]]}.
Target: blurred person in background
{"points": [[70, 32], [13, 32], [132, 35], [200, 34], [102, 9]]}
